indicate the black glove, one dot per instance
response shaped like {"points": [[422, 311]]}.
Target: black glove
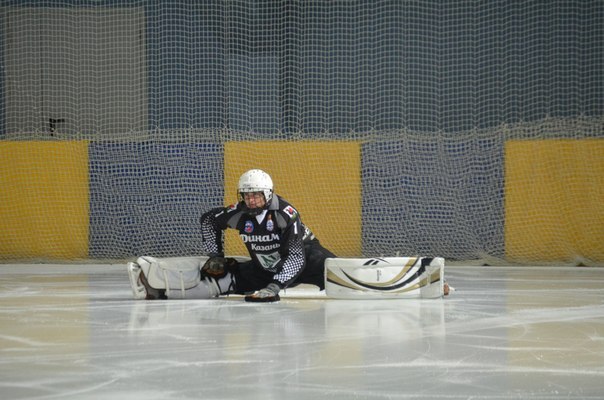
{"points": [[217, 267], [266, 295]]}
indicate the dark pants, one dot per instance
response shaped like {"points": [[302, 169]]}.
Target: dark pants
{"points": [[249, 277]]}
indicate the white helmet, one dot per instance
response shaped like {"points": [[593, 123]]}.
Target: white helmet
{"points": [[256, 180]]}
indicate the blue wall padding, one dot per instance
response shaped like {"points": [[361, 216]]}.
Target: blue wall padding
{"points": [[146, 197], [417, 203]]}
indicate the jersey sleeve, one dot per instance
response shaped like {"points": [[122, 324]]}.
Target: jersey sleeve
{"points": [[213, 224], [292, 249]]}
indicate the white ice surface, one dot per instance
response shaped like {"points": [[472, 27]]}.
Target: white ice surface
{"points": [[73, 332]]}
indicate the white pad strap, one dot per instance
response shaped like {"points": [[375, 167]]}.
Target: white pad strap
{"points": [[389, 277], [176, 273]]}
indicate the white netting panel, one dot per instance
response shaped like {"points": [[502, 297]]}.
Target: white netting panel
{"points": [[431, 90]]}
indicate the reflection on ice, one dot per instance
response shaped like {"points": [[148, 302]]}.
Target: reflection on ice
{"points": [[506, 333]]}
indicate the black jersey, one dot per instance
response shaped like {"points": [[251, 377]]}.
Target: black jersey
{"points": [[274, 239]]}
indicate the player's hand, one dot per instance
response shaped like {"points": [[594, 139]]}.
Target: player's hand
{"points": [[266, 295], [217, 267]]}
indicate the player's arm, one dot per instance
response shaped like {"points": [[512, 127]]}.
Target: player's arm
{"points": [[213, 223], [292, 259]]}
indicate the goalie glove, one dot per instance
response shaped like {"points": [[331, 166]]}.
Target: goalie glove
{"points": [[267, 295], [218, 267]]}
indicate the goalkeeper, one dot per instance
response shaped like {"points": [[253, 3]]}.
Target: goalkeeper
{"points": [[283, 251]]}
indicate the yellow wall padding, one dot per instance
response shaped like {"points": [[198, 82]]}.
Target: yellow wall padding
{"points": [[44, 200], [554, 200], [321, 179]]}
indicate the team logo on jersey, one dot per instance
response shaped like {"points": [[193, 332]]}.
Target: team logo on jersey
{"points": [[249, 227], [289, 210], [269, 224]]}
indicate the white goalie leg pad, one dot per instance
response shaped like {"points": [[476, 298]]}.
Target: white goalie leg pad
{"points": [[210, 287], [175, 274], [138, 289], [382, 278]]}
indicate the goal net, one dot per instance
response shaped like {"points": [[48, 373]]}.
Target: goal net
{"points": [[471, 131]]}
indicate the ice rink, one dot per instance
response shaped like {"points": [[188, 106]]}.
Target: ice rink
{"points": [[73, 332]]}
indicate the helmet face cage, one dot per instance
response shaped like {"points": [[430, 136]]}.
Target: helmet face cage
{"points": [[256, 180]]}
